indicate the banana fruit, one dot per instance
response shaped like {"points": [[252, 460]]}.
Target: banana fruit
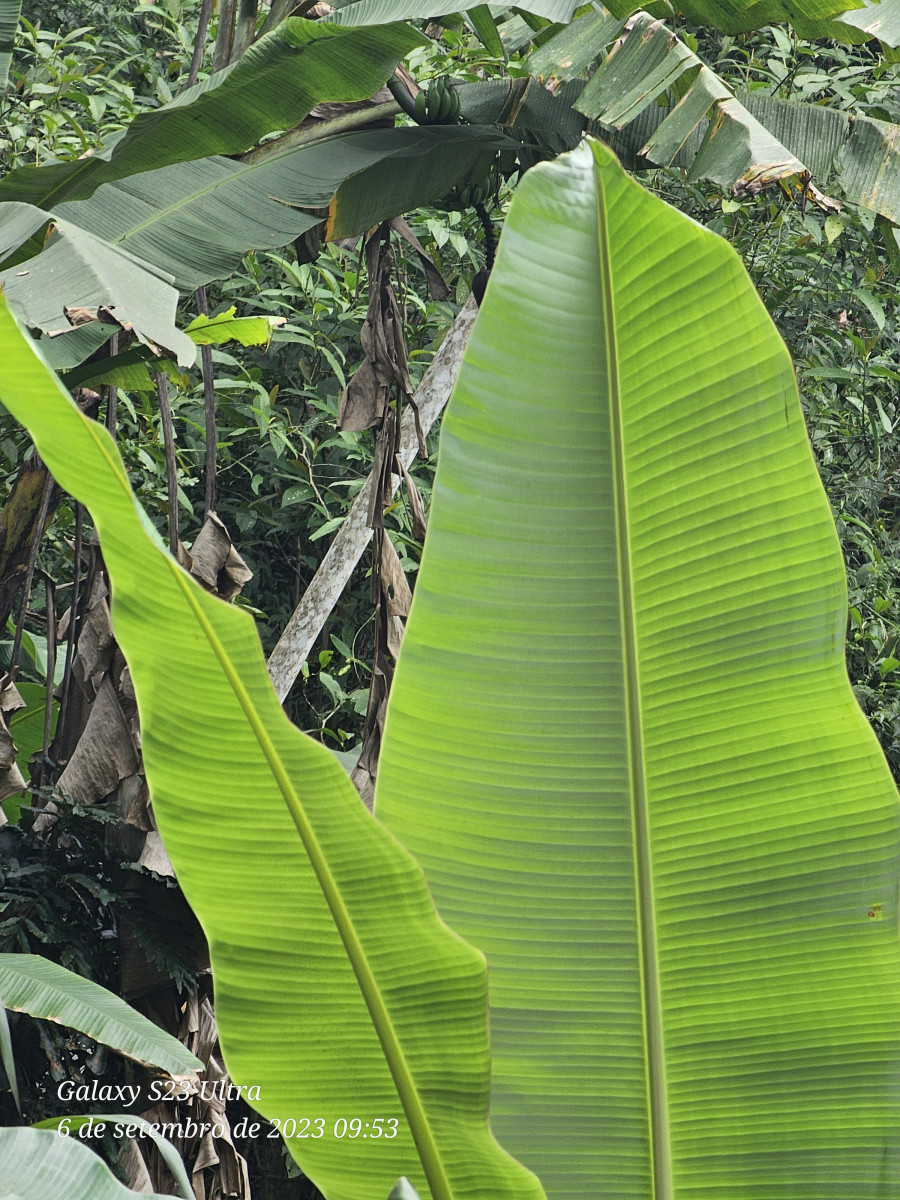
{"points": [[438, 105], [467, 195]]}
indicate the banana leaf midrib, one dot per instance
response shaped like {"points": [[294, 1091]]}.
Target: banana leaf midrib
{"points": [[648, 953], [408, 1092]]}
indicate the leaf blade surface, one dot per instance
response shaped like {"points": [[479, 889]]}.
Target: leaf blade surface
{"points": [[650, 796], [322, 934]]}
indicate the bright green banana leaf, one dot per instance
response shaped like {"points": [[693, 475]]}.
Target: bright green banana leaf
{"points": [[340, 995], [38, 1164], [272, 86], [621, 739], [41, 988]]}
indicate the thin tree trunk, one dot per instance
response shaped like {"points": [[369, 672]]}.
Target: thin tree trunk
{"points": [[244, 28], [40, 523], [168, 432], [209, 408], [112, 392], [50, 593], [71, 633], [225, 35], [199, 42], [345, 551]]}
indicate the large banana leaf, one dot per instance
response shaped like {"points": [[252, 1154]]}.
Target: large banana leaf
{"points": [[707, 129], [79, 269], [38, 1164], [377, 12], [339, 993], [273, 86], [739, 141], [739, 16], [9, 19], [858, 153], [621, 739], [195, 220], [875, 19], [35, 985]]}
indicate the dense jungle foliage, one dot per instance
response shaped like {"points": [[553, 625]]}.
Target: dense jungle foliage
{"points": [[287, 475]]}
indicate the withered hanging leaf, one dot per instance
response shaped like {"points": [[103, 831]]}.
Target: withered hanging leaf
{"points": [[153, 856], [96, 644], [10, 699], [366, 396], [416, 505], [363, 774], [363, 400], [214, 562], [438, 288], [387, 449], [11, 778], [394, 588], [18, 528], [105, 753], [204, 1108]]}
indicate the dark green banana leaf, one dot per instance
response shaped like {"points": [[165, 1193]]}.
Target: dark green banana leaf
{"points": [[273, 86]]}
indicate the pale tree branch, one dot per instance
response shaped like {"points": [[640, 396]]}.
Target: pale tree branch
{"points": [[353, 536]]}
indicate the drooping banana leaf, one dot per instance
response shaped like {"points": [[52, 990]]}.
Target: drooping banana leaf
{"points": [[527, 111], [740, 16], [35, 985], [38, 1164], [272, 86], [339, 994], [78, 269], [195, 220], [9, 19], [724, 142], [873, 19], [858, 153], [621, 739], [131, 1126], [739, 141], [377, 12]]}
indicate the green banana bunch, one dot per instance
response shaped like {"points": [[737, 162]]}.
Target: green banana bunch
{"points": [[438, 105], [469, 194]]}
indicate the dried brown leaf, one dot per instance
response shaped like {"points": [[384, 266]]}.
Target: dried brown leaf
{"points": [[416, 505]]}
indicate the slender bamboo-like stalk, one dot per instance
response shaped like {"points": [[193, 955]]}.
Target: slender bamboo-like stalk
{"points": [[199, 42], [112, 392], [209, 408], [168, 432], [39, 524], [50, 593], [73, 615], [225, 35], [244, 28]]}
